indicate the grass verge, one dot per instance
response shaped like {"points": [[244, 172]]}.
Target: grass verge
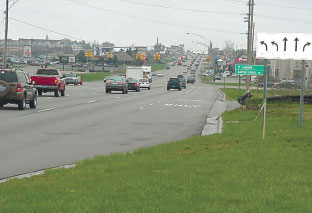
{"points": [[235, 171], [86, 77], [157, 67]]}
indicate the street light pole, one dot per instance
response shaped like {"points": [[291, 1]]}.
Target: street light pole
{"points": [[5, 54]]}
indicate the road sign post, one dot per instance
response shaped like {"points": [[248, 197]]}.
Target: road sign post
{"points": [[287, 46], [265, 86], [303, 76]]}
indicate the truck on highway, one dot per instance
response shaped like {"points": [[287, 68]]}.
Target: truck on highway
{"points": [[134, 72], [48, 80], [147, 73]]}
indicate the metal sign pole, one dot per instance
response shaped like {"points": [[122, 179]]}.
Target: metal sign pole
{"points": [[303, 73], [265, 85]]}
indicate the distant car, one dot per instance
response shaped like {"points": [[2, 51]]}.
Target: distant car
{"points": [[133, 84], [168, 68], [174, 83], [15, 88], [190, 80], [218, 77], [185, 71], [160, 75], [144, 83], [233, 74], [182, 80], [71, 78], [117, 83], [227, 73]]}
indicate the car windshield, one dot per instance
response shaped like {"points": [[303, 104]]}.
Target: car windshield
{"points": [[132, 81], [174, 80], [143, 80], [8, 76], [47, 72], [70, 75], [116, 78]]}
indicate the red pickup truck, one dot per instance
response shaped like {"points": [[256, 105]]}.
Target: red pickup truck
{"points": [[48, 80]]}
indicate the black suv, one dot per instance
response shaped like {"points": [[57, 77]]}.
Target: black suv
{"points": [[15, 88], [174, 83]]}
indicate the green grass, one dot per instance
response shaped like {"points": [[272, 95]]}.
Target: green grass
{"points": [[235, 171], [157, 67], [93, 76], [16, 66], [233, 94]]}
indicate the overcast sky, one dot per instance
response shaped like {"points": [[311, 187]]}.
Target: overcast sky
{"points": [[124, 22]]}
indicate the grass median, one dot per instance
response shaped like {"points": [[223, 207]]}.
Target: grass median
{"points": [[87, 77], [235, 171]]}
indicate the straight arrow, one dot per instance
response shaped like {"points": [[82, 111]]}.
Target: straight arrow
{"points": [[307, 44], [266, 46], [296, 40], [285, 43], [274, 43]]}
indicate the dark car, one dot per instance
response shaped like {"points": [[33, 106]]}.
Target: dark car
{"points": [[133, 84], [182, 80], [117, 83], [15, 88], [190, 79], [174, 83]]}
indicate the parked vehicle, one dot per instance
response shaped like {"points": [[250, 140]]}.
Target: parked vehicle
{"points": [[15, 88], [144, 83], [133, 84], [117, 83], [72, 78], [134, 72], [160, 75], [174, 83], [48, 80]]}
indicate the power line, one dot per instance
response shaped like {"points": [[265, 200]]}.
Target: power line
{"points": [[48, 30], [151, 20], [274, 5], [179, 8]]}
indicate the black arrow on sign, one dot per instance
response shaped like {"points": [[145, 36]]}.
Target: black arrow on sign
{"points": [[266, 46], [274, 43], [296, 40], [285, 43], [307, 44]]}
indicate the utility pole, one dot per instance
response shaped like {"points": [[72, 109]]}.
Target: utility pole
{"points": [[5, 54], [250, 37]]}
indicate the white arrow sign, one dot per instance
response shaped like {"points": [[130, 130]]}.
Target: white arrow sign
{"points": [[293, 46]]}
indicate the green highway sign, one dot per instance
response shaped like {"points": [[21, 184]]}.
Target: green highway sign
{"points": [[243, 69]]}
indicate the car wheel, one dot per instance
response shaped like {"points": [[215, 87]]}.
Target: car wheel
{"points": [[149, 88], [39, 93], [168, 88], [22, 104], [33, 103], [123, 91], [1, 104], [56, 93], [126, 91], [62, 92], [107, 91], [66, 84], [180, 89]]}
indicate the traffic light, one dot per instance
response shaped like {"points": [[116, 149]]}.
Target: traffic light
{"points": [[138, 56], [88, 53], [157, 57], [208, 58]]}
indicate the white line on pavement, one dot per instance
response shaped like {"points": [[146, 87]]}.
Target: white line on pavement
{"points": [[46, 110]]}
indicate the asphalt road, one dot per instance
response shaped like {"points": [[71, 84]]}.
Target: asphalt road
{"points": [[89, 122]]}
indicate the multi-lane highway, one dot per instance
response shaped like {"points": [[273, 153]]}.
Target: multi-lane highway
{"points": [[89, 122]]}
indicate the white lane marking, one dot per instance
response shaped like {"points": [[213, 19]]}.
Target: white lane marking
{"points": [[92, 102], [159, 101], [151, 104], [50, 97], [141, 108], [46, 110], [189, 91], [117, 97]]}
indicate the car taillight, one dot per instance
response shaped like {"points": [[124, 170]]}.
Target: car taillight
{"points": [[135, 85], [107, 82], [121, 82], [19, 88], [30, 79], [167, 82], [56, 81]]}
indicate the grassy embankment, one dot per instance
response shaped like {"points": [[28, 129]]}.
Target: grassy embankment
{"points": [[86, 77], [235, 171]]}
